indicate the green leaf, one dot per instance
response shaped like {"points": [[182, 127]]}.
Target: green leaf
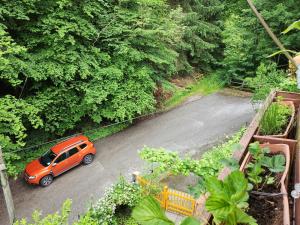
{"points": [[149, 212], [295, 25], [228, 198], [190, 221], [275, 164], [244, 218]]}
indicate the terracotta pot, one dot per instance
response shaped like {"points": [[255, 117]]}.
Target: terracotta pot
{"points": [[297, 181], [289, 126], [274, 149]]}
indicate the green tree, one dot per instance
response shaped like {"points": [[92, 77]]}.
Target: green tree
{"points": [[200, 48], [94, 60], [247, 43]]}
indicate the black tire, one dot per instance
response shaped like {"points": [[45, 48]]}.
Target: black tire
{"points": [[88, 159], [46, 180]]}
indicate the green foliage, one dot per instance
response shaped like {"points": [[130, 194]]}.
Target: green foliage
{"points": [[275, 119], [88, 60], [260, 162], [86, 219], [149, 212], [247, 44], [268, 77], [101, 132], [103, 212], [295, 25], [200, 47], [210, 163], [51, 219], [228, 199], [16, 116], [204, 86], [126, 220], [254, 168], [10, 63], [275, 164], [120, 194]]}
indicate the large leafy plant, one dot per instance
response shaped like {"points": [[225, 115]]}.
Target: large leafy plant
{"points": [[149, 212], [227, 199]]}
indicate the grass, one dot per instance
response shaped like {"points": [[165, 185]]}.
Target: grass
{"points": [[275, 119], [205, 86], [100, 132]]}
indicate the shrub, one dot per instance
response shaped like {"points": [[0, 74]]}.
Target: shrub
{"points": [[275, 119], [122, 193], [268, 77]]}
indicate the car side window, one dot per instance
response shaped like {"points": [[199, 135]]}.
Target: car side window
{"points": [[73, 151], [82, 146], [61, 158]]}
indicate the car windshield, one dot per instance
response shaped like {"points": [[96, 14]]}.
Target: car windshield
{"points": [[47, 158]]}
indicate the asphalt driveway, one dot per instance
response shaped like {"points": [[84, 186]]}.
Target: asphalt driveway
{"points": [[189, 128]]}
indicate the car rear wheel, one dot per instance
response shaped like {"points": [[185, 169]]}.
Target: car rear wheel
{"points": [[88, 159], [46, 180]]}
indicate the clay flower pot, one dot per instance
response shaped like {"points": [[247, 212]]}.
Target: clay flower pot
{"points": [[275, 149], [289, 125]]}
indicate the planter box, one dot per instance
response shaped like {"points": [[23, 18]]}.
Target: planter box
{"points": [[275, 149], [289, 125], [290, 96]]}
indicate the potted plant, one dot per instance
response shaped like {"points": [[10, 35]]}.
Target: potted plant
{"points": [[266, 167], [278, 119]]}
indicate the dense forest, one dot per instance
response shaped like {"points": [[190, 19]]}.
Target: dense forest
{"points": [[67, 61]]}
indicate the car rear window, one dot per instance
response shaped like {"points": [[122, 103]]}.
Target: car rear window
{"points": [[82, 146]]}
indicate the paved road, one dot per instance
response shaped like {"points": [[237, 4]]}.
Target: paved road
{"points": [[188, 128]]}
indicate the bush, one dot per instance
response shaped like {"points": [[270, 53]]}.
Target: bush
{"points": [[268, 77], [122, 193]]}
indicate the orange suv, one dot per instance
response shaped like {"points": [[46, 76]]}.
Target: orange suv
{"points": [[60, 158]]}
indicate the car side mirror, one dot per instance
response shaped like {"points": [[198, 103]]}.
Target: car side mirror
{"points": [[54, 164]]}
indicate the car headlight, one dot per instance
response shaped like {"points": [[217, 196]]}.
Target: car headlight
{"points": [[31, 177]]}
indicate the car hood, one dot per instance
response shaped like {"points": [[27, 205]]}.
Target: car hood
{"points": [[34, 168]]}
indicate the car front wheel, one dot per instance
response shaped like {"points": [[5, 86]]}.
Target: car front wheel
{"points": [[46, 180], [88, 159]]}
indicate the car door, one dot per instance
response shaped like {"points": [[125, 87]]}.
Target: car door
{"points": [[73, 157], [60, 164]]}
